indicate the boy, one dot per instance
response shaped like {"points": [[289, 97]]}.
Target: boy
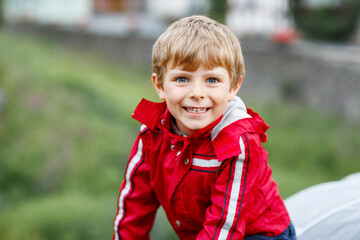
{"points": [[198, 154]]}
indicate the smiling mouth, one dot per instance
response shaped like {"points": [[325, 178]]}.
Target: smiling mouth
{"points": [[195, 110]]}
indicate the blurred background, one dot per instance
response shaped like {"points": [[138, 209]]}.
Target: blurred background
{"points": [[71, 73]]}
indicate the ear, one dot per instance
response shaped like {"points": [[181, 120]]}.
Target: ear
{"points": [[235, 89], [158, 87]]}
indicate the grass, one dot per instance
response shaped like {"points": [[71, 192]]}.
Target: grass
{"points": [[66, 131], [307, 146], [66, 127]]}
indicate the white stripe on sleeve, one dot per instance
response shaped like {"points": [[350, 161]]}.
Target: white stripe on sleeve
{"points": [[143, 127], [206, 163], [234, 195], [133, 162]]}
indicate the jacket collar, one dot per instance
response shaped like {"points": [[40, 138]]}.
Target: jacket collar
{"points": [[157, 116], [225, 132], [149, 113]]}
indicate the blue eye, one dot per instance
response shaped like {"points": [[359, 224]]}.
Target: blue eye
{"points": [[212, 80], [181, 80]]}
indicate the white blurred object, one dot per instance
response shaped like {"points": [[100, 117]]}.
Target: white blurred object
{"points": [[174, 9], [328, 211], [257, 17], [54, 12]]}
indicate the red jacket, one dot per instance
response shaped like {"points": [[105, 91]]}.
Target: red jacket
{"points": [[213, 184]]}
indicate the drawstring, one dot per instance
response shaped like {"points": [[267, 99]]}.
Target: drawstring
{"points": [[187, 149]]}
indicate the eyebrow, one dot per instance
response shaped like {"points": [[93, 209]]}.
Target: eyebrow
{"points": [[207, 72], [177, 71]]}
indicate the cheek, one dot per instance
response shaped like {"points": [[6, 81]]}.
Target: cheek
{"points": [[174, 94], [222, 102], [221, 96]]}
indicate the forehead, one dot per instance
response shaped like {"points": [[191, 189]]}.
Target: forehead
{"points": [[193, 61], [201, 70]]}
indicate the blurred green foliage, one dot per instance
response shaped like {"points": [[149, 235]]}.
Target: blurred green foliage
{"points": [[69, 216], [332, 23], [218, 10], [1, 12], [65, 135], [66, 132]]}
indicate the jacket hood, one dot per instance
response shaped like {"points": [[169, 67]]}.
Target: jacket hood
{"points": [[237, 120], [235, 111]]}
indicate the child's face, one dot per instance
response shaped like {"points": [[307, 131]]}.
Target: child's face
{"points": [[195, 99]]}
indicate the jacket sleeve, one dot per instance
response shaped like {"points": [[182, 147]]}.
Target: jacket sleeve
{"points": [[137, 202], [226, 218]]}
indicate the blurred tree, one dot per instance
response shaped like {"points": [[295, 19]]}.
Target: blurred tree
{"points": [[331, 20], [1, 12], [218, 10]]}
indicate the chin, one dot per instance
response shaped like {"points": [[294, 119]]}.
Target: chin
{"points": [[196, 128]]}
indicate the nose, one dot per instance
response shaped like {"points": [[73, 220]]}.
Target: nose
{"points": [[197, 91]]}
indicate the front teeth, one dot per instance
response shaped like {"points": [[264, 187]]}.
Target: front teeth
{"points": [[196, 110]]}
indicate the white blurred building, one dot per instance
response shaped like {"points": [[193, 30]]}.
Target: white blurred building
{"points": [[175, 9], [146, 18], [257, 17], [81, 12], [57, 12]]}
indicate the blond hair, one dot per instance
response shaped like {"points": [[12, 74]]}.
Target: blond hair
{"points": [[198, 40]]}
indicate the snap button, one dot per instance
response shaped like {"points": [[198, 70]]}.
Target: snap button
{"points": [[172, 147], [178, 153], [162, 121], [186, 161], [177, 223]]}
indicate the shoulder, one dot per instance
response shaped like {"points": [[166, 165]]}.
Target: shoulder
{"points": [[235, 140]]}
